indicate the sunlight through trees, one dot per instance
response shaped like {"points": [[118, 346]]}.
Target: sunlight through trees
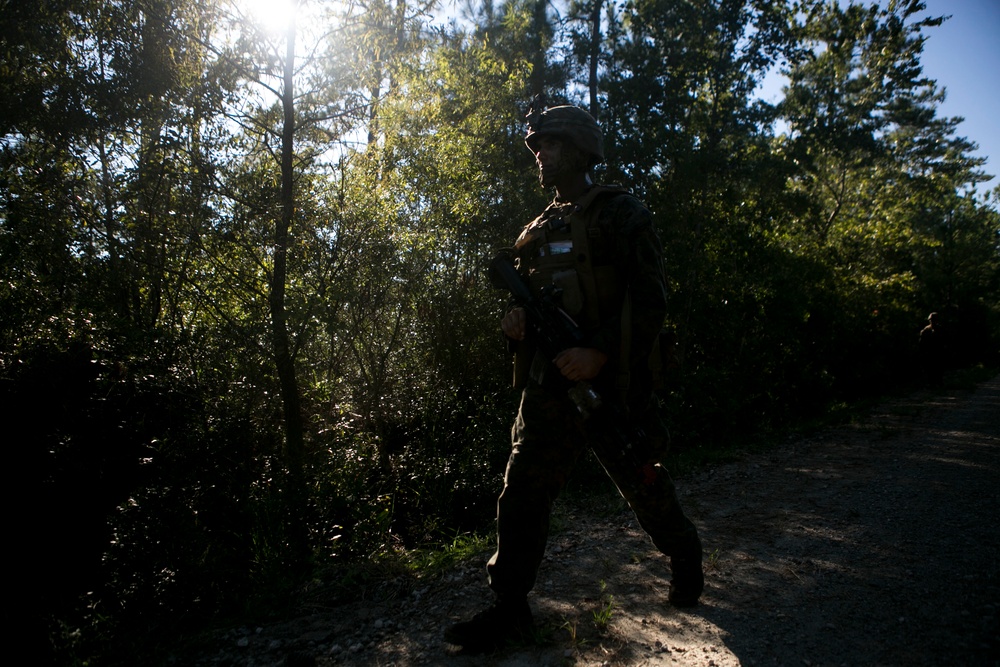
{"points": [[243, 258]]}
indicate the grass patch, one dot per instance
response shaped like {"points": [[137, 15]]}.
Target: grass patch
{"points": [[442, 557], [605, 610]]}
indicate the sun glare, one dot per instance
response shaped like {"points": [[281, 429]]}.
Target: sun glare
{"points": [[273, 16]]}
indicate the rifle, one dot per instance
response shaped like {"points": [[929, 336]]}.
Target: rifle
{"points": [[554, 331], [551, 327]]}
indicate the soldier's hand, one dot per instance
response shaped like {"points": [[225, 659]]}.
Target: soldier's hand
{"points": [[515, 324], [580, 363]]}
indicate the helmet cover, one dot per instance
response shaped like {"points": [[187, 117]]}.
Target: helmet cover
{"points": [[567, 122]]}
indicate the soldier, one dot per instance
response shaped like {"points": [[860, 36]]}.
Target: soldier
{"points": [[597, 246], [932, 350]]}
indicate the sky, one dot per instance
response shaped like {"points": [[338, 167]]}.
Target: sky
{"points": [[963, 56]]}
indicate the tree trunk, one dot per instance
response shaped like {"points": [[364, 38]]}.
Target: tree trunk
{"points": [[537, 55], [595, 55], [284, 361]]}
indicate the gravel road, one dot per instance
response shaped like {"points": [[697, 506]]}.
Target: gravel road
{"points": [[870, 543]]}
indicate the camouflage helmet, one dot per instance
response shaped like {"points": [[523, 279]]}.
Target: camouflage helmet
{"points": [[569, 122]]}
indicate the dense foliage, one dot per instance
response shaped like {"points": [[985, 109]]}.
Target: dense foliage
{"points": [[245, 327]]}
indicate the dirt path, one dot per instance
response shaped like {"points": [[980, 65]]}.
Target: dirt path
{"points": [[873, 543]]}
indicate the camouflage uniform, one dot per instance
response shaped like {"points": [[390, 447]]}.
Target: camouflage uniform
{"points": [[548, 435]]}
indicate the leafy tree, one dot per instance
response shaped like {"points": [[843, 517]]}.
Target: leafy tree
{"points": [[106, 180], [868, 148], [426, 202], [686, 132]]}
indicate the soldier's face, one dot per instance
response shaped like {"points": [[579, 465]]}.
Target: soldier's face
{"points": [[558, 160]]}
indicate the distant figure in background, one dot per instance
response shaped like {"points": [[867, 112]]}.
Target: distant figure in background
{"points": [[932, 350]]}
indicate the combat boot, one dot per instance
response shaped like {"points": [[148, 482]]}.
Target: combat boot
{"points": [[688, 581], [506, 621]]}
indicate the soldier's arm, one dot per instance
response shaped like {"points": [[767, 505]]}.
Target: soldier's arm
{"points": [[639, 262]]}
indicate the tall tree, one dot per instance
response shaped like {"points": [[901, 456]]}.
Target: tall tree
{"points": [[284, 360]]}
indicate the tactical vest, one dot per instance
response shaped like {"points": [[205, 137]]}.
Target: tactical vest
{"points": [[562, 248]]}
